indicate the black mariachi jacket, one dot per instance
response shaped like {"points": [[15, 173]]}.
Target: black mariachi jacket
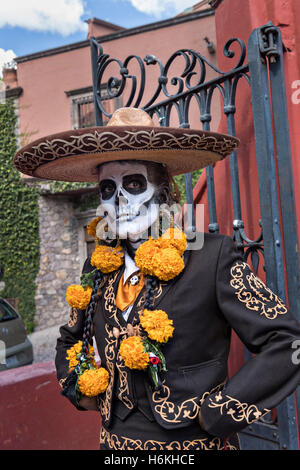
{"points": [[215, 292]]}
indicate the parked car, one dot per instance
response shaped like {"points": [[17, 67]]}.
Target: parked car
{"points": [[15, 347]]}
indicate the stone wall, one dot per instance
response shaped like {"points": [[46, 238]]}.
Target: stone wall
{"points": [[60, 260]]}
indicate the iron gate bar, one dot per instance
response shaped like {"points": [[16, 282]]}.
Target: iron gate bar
{"points": [[226, 83], [285, 175], [265, 154]]}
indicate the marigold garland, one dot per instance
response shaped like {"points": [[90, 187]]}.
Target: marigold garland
{"points": [[168, 264], [157, 325], [175, 238], [78, 297], [144, 256], [107, 258], [133, 353], [93, 382], [91, 228], [160, 257], [164, 263], [74, 353]]}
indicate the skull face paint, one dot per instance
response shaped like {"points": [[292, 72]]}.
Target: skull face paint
{"points": [[127, 198]]}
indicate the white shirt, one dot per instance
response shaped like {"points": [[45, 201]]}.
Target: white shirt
{"points": [[130, 268]]}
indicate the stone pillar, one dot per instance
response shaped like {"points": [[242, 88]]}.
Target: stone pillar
{"points": [[59, 265]]}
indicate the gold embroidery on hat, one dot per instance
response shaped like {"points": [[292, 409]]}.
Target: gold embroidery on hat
{"points": [[254, 293], [97, 142]]}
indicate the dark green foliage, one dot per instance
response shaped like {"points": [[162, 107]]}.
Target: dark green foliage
{"points": [[19, 223], [181, 184]]}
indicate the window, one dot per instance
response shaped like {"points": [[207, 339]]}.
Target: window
{"points": [[7, 312], [82, 107], [86, 113]]}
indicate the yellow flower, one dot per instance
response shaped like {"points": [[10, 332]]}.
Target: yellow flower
{"points": [[161, 257], [93, 381], [72, 355], [168, 264], [78, 297], [106, 258], [91, 228], [157, 324], [144, 255], [176, 238], [133, 353]]}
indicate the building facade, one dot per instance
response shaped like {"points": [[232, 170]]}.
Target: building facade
{"points": [[55, 94]]}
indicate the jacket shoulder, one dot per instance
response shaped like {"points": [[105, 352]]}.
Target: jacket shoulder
{"points": [[212, 241]]}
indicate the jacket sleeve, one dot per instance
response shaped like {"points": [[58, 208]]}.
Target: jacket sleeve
{"points": [[268, 329], [70, 334]]}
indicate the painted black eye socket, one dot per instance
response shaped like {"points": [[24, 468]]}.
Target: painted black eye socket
{"points": [[135, 184], [107, 189]]}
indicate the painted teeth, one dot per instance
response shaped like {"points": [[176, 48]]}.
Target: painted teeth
{"points": [[127, 214]]}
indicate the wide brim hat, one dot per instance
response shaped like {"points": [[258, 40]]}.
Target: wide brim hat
{"points": [[130, 134]]}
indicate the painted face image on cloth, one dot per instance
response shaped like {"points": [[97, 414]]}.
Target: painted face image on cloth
{"points": [[127, 198]]}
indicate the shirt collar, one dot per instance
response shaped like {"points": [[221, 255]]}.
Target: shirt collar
{"points": [[130, 267]]}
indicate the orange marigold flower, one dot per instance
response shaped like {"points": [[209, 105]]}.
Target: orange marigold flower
{"points": [[93, 381], [176, 238], [157, 324], [91, 228], [133, 353], [106, 258], [168, 264], [78, 297], [144, 255], [75, 350], [161, 257]]}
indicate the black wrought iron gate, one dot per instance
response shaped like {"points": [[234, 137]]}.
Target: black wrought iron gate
{"points": [[265, 75]]}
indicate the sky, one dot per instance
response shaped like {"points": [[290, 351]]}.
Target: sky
{"points": [[28, 26]]}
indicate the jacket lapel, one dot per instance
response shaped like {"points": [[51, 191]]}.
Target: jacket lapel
{"points": [[108, 299], [164, 287]]}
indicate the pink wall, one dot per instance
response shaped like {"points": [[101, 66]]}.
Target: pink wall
{"points": [[44, 106], [238, 19], [34, 416], [97, 29]]}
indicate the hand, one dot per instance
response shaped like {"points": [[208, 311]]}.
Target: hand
{"points": [[89, 403]]}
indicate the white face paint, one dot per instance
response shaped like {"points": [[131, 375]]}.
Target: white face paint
{"points": [[127, 197]]}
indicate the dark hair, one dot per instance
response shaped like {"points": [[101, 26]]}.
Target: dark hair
{"points": [[158, 174]]}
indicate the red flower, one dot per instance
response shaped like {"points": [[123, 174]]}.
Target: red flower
{"points": [[154, 360]]}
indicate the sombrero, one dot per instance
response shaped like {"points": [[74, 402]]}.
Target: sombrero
{"points": [[74, 155]]}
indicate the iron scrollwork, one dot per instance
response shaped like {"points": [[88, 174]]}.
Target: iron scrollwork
{"points": [[175, 93], [115, 86]]}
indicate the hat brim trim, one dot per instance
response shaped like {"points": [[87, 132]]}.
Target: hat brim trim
{"points": [[81, 151], [84, 168]]}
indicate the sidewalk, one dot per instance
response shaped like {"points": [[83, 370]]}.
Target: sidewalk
{"points": [[44, 344]]}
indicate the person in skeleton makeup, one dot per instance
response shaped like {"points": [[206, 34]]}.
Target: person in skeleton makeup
{"points": [[174, 392], [131, 194]]}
